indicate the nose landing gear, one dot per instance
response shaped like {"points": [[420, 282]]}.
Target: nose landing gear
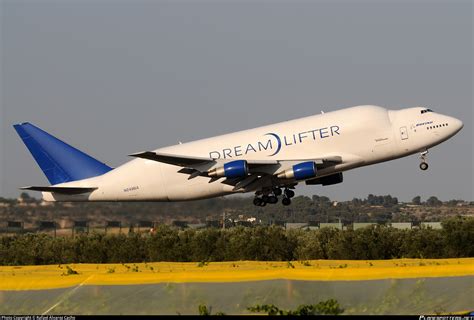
{"points": [[423, 164]]}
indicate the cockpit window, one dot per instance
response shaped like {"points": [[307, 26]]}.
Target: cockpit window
{"points": [[426, 110]]}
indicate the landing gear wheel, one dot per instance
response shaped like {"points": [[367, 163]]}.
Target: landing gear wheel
{"points": [[257, 201], [286, 201], [265, 198], [423, 166], [289, 193], [277, 192], [272, 199]]}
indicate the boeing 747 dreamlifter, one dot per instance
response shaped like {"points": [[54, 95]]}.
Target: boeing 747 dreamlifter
{"points": [[269, 161]]}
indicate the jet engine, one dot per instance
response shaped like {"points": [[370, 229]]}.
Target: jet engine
{"points": [[327, 180], [300, 171], [233, 169]]}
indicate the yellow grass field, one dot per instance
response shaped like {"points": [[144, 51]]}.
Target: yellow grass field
{"points": [[57, 276]]}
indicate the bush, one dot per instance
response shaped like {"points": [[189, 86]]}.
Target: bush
{"points": [[456, 239], [329, 307]]}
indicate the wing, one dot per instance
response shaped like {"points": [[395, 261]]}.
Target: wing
{"points": [[258, 173], [197, 163], [176, 160]]}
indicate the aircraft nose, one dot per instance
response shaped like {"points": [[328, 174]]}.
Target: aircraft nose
{"points": [[458, 125], [455, 124]]}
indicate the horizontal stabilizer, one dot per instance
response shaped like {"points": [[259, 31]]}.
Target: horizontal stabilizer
{"points": [[62, 190]]}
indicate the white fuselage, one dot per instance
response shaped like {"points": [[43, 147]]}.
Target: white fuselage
{"points": [[360, 135]]}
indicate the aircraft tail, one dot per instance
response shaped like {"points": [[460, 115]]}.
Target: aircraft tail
{"points": [[59, 161]]}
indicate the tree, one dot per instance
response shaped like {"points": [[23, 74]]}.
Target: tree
{"points": [[371, 199], [433, 202], [388, 201], [416, 200], [25, 196], [459, 235], [453, 202], [356, 202]]}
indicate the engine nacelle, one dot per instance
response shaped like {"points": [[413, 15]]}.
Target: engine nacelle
{"points": [[327, 180], [233, 169], [300, 171]]}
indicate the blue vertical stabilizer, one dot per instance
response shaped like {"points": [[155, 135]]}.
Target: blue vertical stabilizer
{"points": [[59, 161]]}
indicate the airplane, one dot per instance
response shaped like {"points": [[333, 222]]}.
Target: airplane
{"points": [[268, 161]]}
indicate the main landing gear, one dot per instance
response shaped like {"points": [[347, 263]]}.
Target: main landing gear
{"points": [[423, 164], [271, 196]]}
